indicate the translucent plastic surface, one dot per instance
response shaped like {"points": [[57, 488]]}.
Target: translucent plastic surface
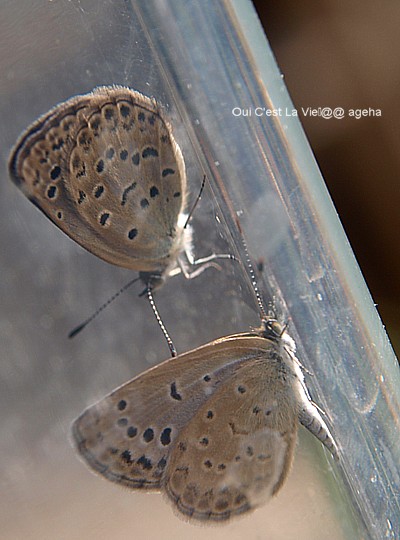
{"points": [[209, 63]]}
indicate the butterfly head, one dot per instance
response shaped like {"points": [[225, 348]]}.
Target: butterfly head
{"points": [[275, 331], [272, 329], [152, 279]]}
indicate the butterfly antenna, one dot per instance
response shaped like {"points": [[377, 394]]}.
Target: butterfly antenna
{"points": [[171, 346], [196, 202], [284, 328], [253, 278], [81, 326]]}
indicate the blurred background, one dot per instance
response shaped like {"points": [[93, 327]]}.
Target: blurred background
{"points": [[346, 54]]}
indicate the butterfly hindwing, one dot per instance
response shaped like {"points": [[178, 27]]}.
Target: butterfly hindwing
{"points": [[237, 450]]}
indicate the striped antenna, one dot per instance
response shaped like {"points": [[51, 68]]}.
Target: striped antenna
{"points": [[253, 277], [81, 326], [149, 292]]}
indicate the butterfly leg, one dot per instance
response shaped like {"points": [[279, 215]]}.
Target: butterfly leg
{"points": [[192, 268]]}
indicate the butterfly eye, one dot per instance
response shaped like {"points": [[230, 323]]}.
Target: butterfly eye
{"points": [[273, 329]]}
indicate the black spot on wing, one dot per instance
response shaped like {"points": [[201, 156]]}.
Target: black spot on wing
{"points": [[126, 192], [165, 436], [104, 218], [55, 172], [148, 435], [174, 393], [150, 151], [132, 234], [167, 172]]}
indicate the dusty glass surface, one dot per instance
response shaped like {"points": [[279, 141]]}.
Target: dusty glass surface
{"points": [[194, 58]]}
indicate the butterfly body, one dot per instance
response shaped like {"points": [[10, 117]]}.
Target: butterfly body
{"points": [[214, 429], [106, 169]]}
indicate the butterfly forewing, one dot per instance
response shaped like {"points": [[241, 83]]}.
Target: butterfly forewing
{"points": [[106, 169]]}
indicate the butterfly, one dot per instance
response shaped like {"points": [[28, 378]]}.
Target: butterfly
{"points": [[106, 169], [214, 429]]}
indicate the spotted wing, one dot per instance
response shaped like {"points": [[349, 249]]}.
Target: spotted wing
{"points": [[130, 434], [106, 169], [236, 452]]}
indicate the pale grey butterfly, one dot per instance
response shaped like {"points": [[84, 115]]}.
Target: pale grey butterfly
{"points": [[214, 429], [106, 169]]}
